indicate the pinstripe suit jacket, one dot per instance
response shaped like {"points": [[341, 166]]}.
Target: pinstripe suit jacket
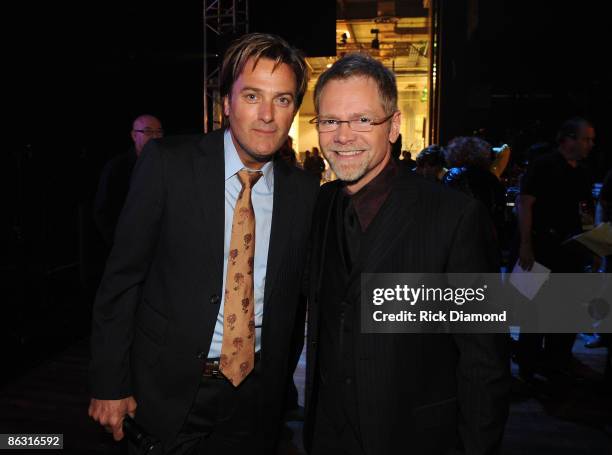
{"points": [[417, 393], [157, 305]]}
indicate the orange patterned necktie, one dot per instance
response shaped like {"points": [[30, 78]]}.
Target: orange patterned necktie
{"points": [[238, 348]]}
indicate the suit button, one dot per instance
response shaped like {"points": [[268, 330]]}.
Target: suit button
{"points": [[201, 355], [348, 381], [214, 299]]}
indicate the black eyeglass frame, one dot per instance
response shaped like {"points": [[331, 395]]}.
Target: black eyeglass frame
{"points": [[149, 132]]}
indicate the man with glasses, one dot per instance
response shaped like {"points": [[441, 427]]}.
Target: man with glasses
{"points": [[391, 393], [194, 320], [115, 177], [145, 128]]}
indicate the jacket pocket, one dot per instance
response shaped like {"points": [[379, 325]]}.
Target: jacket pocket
{"points": [[151, 322], [143, 347]]}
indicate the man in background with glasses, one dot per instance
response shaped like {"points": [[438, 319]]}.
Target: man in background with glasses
{"points": [[386, 393], [115, 177], [145, 128]]}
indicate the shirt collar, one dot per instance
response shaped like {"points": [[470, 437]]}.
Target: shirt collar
{"points": [[233, 164], [369, 199]]}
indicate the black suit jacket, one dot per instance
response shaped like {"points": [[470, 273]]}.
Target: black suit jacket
{"points": [[417, 392], [155, 312], [112, 191]]}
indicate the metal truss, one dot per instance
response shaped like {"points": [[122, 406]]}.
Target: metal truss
{"points": [[222, 18]]}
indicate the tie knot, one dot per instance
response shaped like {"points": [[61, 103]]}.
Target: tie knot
{"points": [[248, 178]]}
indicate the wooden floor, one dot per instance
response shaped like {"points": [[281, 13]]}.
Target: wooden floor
{"points": [[52, 397]]}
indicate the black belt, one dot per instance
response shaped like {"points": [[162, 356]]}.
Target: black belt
{"points": [[210, 368]]}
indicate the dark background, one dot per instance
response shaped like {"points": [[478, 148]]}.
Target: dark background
{"points": [[78, 73], [530, 65]]}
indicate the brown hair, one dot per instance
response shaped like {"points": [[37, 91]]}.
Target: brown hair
{"points": [[468, 151], [262, 45], [361, 65]]}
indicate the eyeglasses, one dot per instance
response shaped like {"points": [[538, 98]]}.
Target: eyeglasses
{"points": [[362, 124], [150, 132]]}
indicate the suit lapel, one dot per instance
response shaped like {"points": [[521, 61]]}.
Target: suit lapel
{"points": [[209, 172], [392, 223], [323, 235], [282, 216]]}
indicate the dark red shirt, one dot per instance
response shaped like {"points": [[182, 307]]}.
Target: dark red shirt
{"points": [[369, 199]]}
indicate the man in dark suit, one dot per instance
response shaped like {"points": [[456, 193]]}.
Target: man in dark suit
{"points": [[194, 317], [391, 393], [115, 177]]}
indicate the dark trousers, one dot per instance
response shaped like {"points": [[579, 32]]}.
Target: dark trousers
{"points": [[557, 350], [333, 436], [222, 419], [336, 427]]}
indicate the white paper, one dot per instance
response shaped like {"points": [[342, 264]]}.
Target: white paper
{"points": [[598, 240], [529, 282]]}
